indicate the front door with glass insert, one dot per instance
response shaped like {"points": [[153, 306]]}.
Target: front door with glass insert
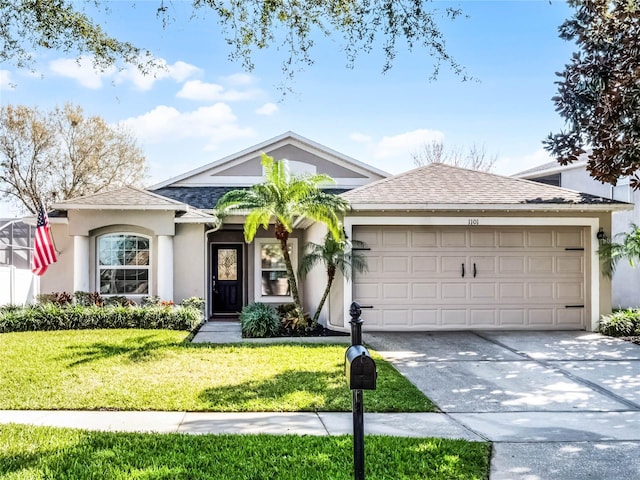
{"points": [[226, 278]]}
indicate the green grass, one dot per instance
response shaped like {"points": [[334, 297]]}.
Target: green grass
{"points": [[33, 453], [157, 370]]}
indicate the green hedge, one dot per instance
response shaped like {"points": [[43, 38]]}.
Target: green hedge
{"points": [[50, 316]]}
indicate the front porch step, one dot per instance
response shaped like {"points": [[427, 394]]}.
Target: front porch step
{"points": [[219, 332]]}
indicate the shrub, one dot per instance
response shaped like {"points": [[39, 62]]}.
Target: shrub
{"points": [[259, 320], [50, 316], [56, 298], [87, 298], [289, 318], [150, 300], [119, 301], [193, 302], [621, 323]]}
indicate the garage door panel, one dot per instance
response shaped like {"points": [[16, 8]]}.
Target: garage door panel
{"points": [[525, 280], [424, 291], [540, 265], [424, 317], [570, 292], [541, 317], [540, 239], [512, 291], [511, 265], [424, 265], [570, 238], [483, 291], [570, 265], [511, 239], [482, 239], [424, 239], [395, 291], [453, 265], [451, 291], [571, 317], [395, 264], [482, 318], [453, 317], [395, 239], [512, 317]]}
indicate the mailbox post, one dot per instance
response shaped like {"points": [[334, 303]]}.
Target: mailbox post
{"points": [[361, 373]]}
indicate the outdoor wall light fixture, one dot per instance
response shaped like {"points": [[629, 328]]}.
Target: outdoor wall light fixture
{"points": [[601, 235]]}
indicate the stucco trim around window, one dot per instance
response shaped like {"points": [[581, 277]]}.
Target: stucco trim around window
{"points": [[271, 285]]}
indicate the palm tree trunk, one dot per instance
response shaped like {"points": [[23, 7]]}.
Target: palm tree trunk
{"points": [[283, 236], [316, 315]]}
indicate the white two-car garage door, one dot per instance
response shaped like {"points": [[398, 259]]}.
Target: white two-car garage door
{"points": [[446, 278]]}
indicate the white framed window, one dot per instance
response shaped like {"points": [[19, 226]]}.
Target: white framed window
{"points": [[123, 264], [271, 282], [622, 190]]}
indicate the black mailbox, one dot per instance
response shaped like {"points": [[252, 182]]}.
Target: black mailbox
{"points": [[360, 368]]}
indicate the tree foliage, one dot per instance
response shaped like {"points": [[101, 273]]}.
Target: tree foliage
{"points": [[291, 26], [627, 248], [336, 256], [475, 157], [599, 90], [61, 154], [61, 25], [284, 199]]}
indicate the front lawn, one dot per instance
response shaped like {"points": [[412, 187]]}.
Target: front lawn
{"points": [[157, 370], [34, 453]]}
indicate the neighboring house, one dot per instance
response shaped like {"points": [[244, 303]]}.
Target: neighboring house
{"points": [[17, 284], [448, 248], [576, 177]]}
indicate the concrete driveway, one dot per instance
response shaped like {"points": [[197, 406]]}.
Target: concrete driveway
{"points": [[556, 405]]}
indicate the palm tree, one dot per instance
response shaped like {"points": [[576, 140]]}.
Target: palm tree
{"points": [[336, 256], [285, 198], [612, 253]]}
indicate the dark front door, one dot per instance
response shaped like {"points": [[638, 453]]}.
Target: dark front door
{"points": [[226, 279]]}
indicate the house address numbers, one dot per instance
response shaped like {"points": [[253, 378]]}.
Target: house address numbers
{"points": [[474, 221]]}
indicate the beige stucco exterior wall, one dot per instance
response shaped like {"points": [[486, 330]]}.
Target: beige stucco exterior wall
{"points": [[316, 280], [189, 262], [59, 276]]}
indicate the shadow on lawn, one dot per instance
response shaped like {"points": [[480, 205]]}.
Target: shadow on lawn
{"points": [[293, 390], [135, 349]]}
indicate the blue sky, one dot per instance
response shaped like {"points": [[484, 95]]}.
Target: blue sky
{"points": [[204, 107]]}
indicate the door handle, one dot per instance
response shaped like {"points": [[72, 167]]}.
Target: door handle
{"points": [[463, 270], [474, 270]]}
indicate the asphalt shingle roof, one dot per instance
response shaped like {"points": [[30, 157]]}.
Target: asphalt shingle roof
{"points": [[440, 184]]}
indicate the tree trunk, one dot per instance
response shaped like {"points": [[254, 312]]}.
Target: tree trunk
{"points": [[283, 236], [331, 273]]}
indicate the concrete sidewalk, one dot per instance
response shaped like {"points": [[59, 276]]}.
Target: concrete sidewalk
{"points": [[323, 423]]}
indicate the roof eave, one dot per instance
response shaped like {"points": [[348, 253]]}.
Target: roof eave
{"points": [[544, 207], [166, 208]]}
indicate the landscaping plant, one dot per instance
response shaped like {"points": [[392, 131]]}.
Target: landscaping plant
{"points": [[259, 320]]}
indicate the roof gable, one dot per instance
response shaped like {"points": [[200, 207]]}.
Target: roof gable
{"points": [[244, 169], [438, 186]]}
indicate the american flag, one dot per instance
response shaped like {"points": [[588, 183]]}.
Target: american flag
{"points": [[44, 253]]}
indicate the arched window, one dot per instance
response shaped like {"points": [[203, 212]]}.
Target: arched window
{"points": [[123, 264]]}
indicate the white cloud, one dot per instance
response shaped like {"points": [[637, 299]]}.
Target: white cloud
{"points": [[267, 109], [214, 123], [178, 71], [82, 71], [240, 79], [88, 75], [406, 143], [360, 137], [513, 165], [5, 80], [213, 92]]}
